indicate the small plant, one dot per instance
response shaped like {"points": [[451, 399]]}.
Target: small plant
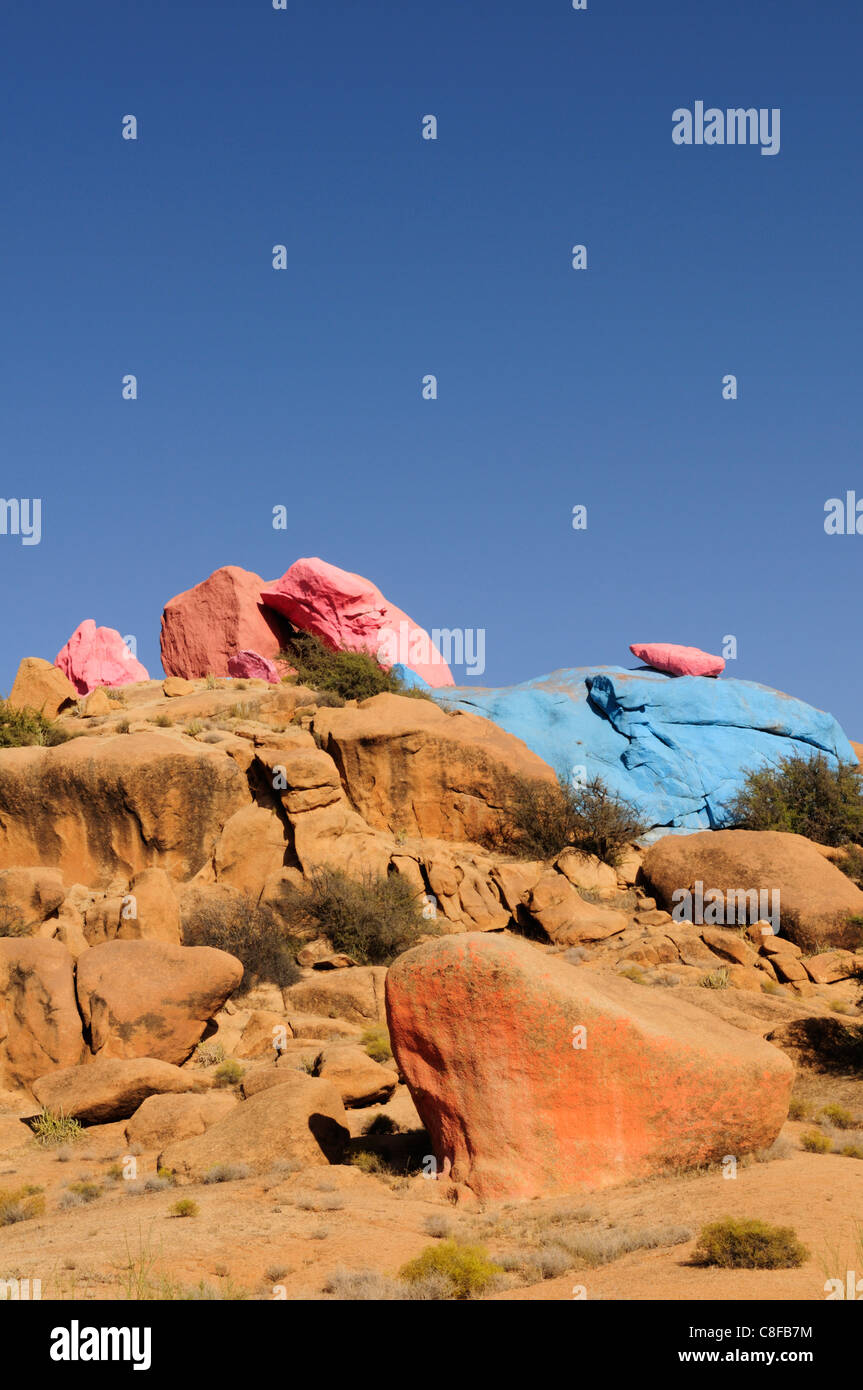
{"points": [[229, 1073], [20, 728], [633, 973], [771, 987], [226, 1172], [194, 728], [376, 1042], [807, 796], [184, 1207], [209, 1054], [467, 1269], [210, 681], [381, 1124], [539, 819], [798, 1109], [52, 1129], [372, 918], [116, 693], [716, 979], [122, 727], [838, 1116], [87, 1191], [814, 1142], [20, 1204], [852, 1151], [163, 721], [749, 1244]]}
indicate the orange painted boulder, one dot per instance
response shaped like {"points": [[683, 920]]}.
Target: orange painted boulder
{"points": [[534, 1076]]}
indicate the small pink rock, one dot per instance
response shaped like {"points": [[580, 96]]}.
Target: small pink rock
{"points": [[677, 661], [347, 611], [98, 656], [253, 666]]}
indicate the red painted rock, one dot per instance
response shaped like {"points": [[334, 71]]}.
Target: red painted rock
{"points": [[98, 656], [678, 661], [207, 625], [484, 1030], [347, 611], [253, 666]]}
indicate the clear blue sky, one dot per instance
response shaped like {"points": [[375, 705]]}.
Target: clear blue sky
{"points": [[407, 257]]}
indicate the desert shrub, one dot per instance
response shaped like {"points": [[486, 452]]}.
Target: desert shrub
{"points": [[798, 1109], [163, 721], [815, 1143], [226, 1172], [353, 675], [594, 1248], [837, 1115], [539, 819], [851, 863], [184, 1207], [52, 1129], [716, 979], [252, 932], [633, 973], [20, 728], [376, 1042], [749, 1244], [380, 1124], [467, 1269], [852, 1151], [438, 1225], [372, 918], [209, 1054], [228, 1073], [86, 1191], [806, 796], [115, 692], [20, 1204]]}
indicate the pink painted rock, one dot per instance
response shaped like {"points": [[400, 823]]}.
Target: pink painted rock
{"points": [[96, 656], [677, 661], [207, 625], [534, 1076], [253, 666], [345, 610]]}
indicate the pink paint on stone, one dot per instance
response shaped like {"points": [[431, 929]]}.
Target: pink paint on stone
{"points": [[678, 661], [253, 666], [98, 656], [345, 610], [204, 627]]}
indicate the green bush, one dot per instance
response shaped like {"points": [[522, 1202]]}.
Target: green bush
{"points": [[252, 932], [806, 796], [185, 1207], [749, 1244], [837, 1115], [815, 1143], [228, 1073], [20, 1204], [539, 819], [716, 979], [372, 918], [353, 675], [20, 728], [376, 1042], [466, 1268], [51, 1129]]}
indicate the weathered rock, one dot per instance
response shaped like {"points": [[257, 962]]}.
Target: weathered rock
{"points": [[251, 847], [566, 917], [98, 656], [167, 1118], [833, 966], [150, 911], [260, 1034], [410, 767], [27, 898], [97, 705], [253, 666], [102, 808], [816, 899], [108, 1089], [587, 871], [205, 626], [175, 686], [40, 1027], [521, 1103], [355, 995], [729, 945], [150, 998], [41, 686], [347, 611], [358, 1079], [302, 1119], [678, 661]]}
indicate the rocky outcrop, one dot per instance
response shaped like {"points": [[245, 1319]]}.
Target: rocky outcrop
{"points": [[752, 870], [152, 999], [207, 625], [99, 808], [40, 1027], [677, 747], [96, 656], [347, 611], [108, 1088], [41, 686], [534, 1076], [410, 767]]}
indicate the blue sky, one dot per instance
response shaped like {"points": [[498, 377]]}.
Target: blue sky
{"points": [[406, 257]]}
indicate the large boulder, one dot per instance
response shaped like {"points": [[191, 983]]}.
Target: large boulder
{"points": [[356, 995], [96, 656], [41, 686], [347, 611], [150, 998], [677, 747], [170, 1116], [358, 1079], [302, 1118], [27, 898], [755, 870], [108, 1089], [207, 625], [150, 911], [106, 807], [40, 1027], [534, 1076], [409, 766]]}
